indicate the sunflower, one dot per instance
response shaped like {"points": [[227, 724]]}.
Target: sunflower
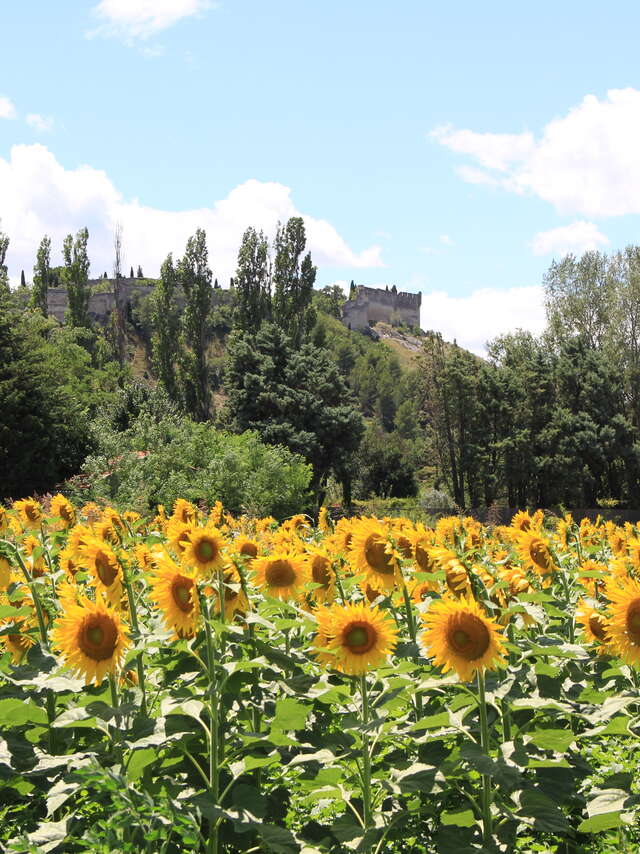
{"points": [[372, 553], [360, 638], [459, 636], [90, 511], [216, 514], [68, 562], [91, 639], [344, 533], [282, 575], [421, 590], [174, 591], [177, 534], [6, 575], [594, 625], [456, 575], [77, 538], [324, 616], [623, 630], [64, 510], [29, 512], [322, 573], [183, 511], [422, 542], [534, 552], [323, 520], [246, 548], [521, 521], [4, 520], [101, 560], [204, 550], [36, 564], [616, 538], [235, 599], [592, 584]]}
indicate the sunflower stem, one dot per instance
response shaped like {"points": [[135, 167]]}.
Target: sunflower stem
{"points": [[214, 728], [487, 830], [136, 629], [366, 754]]}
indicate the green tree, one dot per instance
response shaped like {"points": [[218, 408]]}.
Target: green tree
{"points": [[139, 272], [76, 277], [195, 278], [330, 299], [385, 466], [41, 275], [165, 324], [293, 280], [43, 434], [252, 285], [578, 297], [293, 396], [4, 273]]}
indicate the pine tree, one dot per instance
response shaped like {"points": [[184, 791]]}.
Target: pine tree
{"points": [[23, 281], [195, 278], [139, 273], [131, 273], [165, 338], [76, 277], [42, 276]]}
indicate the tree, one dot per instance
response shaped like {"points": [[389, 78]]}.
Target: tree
{"points": [[293, 281], [42, 276], [330, 299], [293, 396], [166, 324], [117, 293], [195, 279], [139, 272], [23, 281], [43, 435], [131, 273], [385, 466], [4, 274], [578, 297], [76, 276], [252, 285]]}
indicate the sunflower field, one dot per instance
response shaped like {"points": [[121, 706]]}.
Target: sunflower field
{"points": [[197, 682]]}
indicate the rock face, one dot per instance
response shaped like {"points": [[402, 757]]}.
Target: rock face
{"points": [[374, 305]]}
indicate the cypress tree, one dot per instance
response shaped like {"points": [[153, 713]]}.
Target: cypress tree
{"points": [[195, 278], [165, 338], [42, 276], [76, 277]]}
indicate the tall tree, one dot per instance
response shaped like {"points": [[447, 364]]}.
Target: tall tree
{"points": [[4, 274], [117, 293], [578, 297], [23, 281], [166, 324], [253, 289], [195, 278], [293, 396], [42, 276], [76, 277], [293, 280], [139, 272]]}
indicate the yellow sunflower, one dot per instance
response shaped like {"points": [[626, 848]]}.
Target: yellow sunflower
{"points": [[371, 552], [6, 574], [204, 550], [235, 599], [174, 591], [282, 575], [592, 584], [91, 639], [37, 565], [360, 638], [68, 562], [459, 636], [177, 534], [64, 510], [4, 520], [343, 534], [421, 590], [29, 512], [534, 553], [322, 573], [521, 521], [323, 520], [594, 625], [101, 560], [456, 575], [183, 511], [246, 548], [623, 630]]}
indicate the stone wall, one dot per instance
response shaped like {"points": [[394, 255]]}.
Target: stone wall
{"points": [[103, 303], [375, 305]]}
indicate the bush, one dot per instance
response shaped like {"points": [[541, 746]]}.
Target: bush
{"points": [[156, 461]]}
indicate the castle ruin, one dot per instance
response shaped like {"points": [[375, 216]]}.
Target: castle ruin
{"points": [[374, 305]]}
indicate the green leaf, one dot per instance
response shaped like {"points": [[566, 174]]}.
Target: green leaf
{"points": [[553, 739], [139, 761], [49, 835], [461, 818], [546, 816], [602, 821], [14, 712], [290, 714]]}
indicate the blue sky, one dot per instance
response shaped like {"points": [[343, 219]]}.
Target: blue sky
{"points": [[446, 148]]}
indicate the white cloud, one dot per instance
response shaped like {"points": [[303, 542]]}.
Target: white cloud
{"points": [[140, 19], [7, 110], [577, 237], [448, 241], [43, 124], [477, 318], [40, 196], [584, 162]]}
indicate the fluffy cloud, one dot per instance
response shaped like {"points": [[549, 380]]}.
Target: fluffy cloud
{"points": [[477, 318], [40, 196], [133, 19], [7, 110], [42, 124], [584, 162], [576, 237]]}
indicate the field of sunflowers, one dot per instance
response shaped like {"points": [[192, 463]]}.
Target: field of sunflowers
{"points": [[196, 682]]}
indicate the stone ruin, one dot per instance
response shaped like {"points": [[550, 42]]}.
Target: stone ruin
{"points": [[375, 305]]}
